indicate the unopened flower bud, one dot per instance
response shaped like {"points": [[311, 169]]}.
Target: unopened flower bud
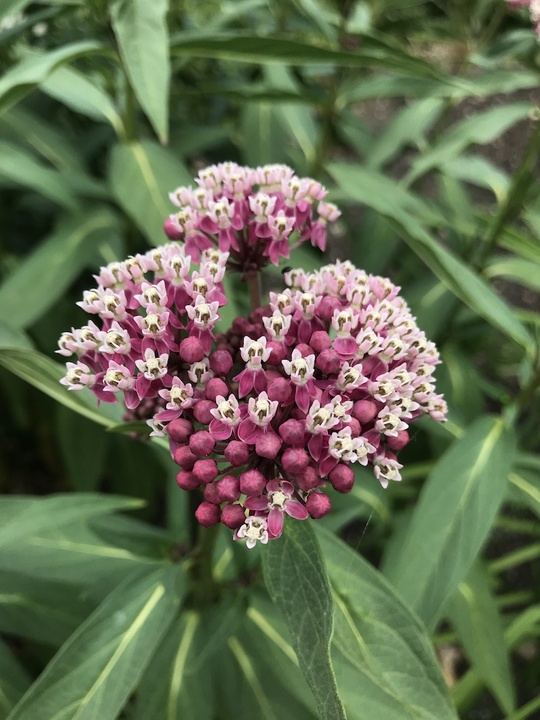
{"points": [[233, 516], [216, 387], [342, 478], [221, 362], [318, 504], [201, 443], [205, 470], [294, 460], [364, 411], [328, 305], [228, 488], [191, 350], [207, 514], [236, 453], [202, 413], [320, 340], [293, 431], [328, 362], [304, 349], [399, 441], [308, 478], [184, 457], [355, 426], [279, 389], [267, 445], [187, 480], [172, 229], [211, 494], [278, 352], [252, 482], [179, 430]]}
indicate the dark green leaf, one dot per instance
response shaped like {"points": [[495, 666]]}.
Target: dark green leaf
{"points": [[14, 681], [83, 446], [451, 521], [297, 582]]}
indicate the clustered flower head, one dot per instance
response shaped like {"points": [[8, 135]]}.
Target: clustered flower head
{"points": [[263, 418], [534, 11], [254, 214]]}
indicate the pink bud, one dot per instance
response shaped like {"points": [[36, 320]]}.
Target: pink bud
{"points": [[364, 411], [279, 389], [240, 326], [279, 352], [233, 516], [179, 430], [202, 413], [201, 443], [318, 505], [205, 470], [320, 340], [293, 431], [327, 306], [187, 480], [252, 482], [342, 478], [355, 426], [228, 488], [172, 229], [328, 362], [216, 387], [308, 479], [236, 453], [267, 445], [184, 457], [211, 494], [191, 350], [221, 362], [294, 460], [399, 442], [207, 514]]}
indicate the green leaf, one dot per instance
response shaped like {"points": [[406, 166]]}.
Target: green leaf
{"points": [[482, 128], [143, 40], [83, 446], [45, 374], [81, 94], [478, 171], [22, 168], [94, 673], [43, 276], [263, 134], [27, 518], [14, 681], [11, 338], [297, 582], [383, 657], [453, 517], [519, 270], [33, 69], [141, 176], [473, 612], [394, 202]]}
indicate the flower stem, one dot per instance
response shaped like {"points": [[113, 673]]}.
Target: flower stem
{"points": [[253, 278], [205, 588]]}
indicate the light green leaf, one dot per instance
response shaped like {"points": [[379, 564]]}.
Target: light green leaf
{"points": [[264, 138], [22, 168], [143, 39], [43, 276], [141, 176], [519, 270], [297, 582], [27, 518], [452, 519], [11, 338], [478, 171], [81, 94], [384, 660], [400, 207], [473, 612], [94, 673], [33, 69], [14, 681], [45, 374]]}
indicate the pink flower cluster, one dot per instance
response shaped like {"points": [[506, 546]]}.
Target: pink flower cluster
{"points": [[534, 11], [254, 214], [265, 417]]}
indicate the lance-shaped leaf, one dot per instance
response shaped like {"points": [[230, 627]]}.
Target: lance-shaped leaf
{"points": [[456, 510], [384, 660], [14, 681], [473, 612], [297, 582], [95, 671], [141, 176], [143, 40]]}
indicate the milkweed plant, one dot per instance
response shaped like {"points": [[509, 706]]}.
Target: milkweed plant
{"points": [[269, 360]]}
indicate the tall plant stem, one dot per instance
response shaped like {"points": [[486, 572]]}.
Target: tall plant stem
{"points": [[205, 588], [253, 279]]}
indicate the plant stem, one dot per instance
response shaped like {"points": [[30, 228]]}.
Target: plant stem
{"points": [[204, 585], [253, 278]]}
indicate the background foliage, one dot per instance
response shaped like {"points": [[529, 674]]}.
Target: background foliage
{"points": [[423, 119]]}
